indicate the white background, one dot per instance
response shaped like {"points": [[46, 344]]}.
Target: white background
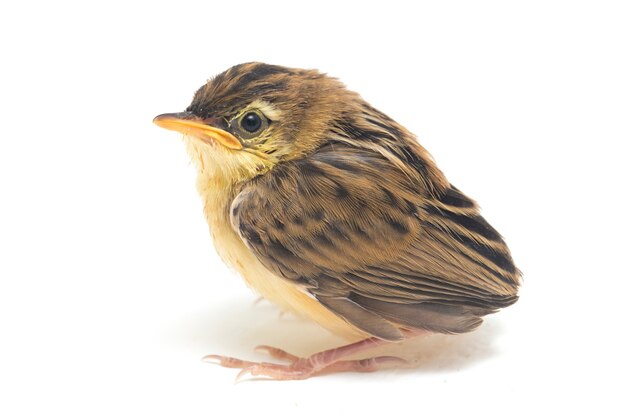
{"points": [[110, 289]]}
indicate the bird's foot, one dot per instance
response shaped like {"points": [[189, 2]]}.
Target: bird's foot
{"points": [[325, 362]]}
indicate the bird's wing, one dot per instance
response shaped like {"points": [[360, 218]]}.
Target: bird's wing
{"points": [[370, 245]]}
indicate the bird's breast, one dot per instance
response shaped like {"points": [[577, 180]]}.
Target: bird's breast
{"points": [[233, 251]]}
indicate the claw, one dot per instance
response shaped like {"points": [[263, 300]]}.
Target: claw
{"points": [[214, 359], [242, 374], [277, 353], [226, 361]]}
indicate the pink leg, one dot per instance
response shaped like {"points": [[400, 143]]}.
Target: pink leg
{"points": [[325, 362], [364, 365], [359, 365]]}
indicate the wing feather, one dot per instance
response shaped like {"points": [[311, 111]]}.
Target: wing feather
{"points": [[375, 247]]}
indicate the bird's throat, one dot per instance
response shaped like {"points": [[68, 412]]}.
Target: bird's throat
{"points": [[224, 167]]}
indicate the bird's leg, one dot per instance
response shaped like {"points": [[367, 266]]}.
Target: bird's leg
{"points": [[325, 362], [358, 365]]}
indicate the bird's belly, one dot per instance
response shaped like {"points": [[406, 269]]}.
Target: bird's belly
{"points": [[277, 290]]}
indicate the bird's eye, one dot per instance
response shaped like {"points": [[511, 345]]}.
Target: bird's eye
{"points": [[251, 122]]}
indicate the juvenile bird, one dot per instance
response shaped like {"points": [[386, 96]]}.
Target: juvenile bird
{"points": [[332, 210]]}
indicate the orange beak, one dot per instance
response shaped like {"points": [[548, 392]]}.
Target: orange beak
{"points": [[189, 124]]}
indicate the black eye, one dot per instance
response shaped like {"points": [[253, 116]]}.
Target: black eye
{"points": [[251, 122]]}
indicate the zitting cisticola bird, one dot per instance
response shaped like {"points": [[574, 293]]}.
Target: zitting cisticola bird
{"points": [[330, 209]]}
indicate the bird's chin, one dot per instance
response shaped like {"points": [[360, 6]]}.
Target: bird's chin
{"points": [[220, 164], [206, 154], [197, 141]]}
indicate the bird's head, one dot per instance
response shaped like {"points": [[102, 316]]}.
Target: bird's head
{"points": [[253, 116]]}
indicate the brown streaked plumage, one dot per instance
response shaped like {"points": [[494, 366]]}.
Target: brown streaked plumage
{"points": [[332, 210]]}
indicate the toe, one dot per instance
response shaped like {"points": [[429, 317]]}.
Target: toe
{"points": [[275, 371], [365, 365], [277, 353], [227, 361]]}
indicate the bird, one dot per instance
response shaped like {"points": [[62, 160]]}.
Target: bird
{"points": [[333, 211]]}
